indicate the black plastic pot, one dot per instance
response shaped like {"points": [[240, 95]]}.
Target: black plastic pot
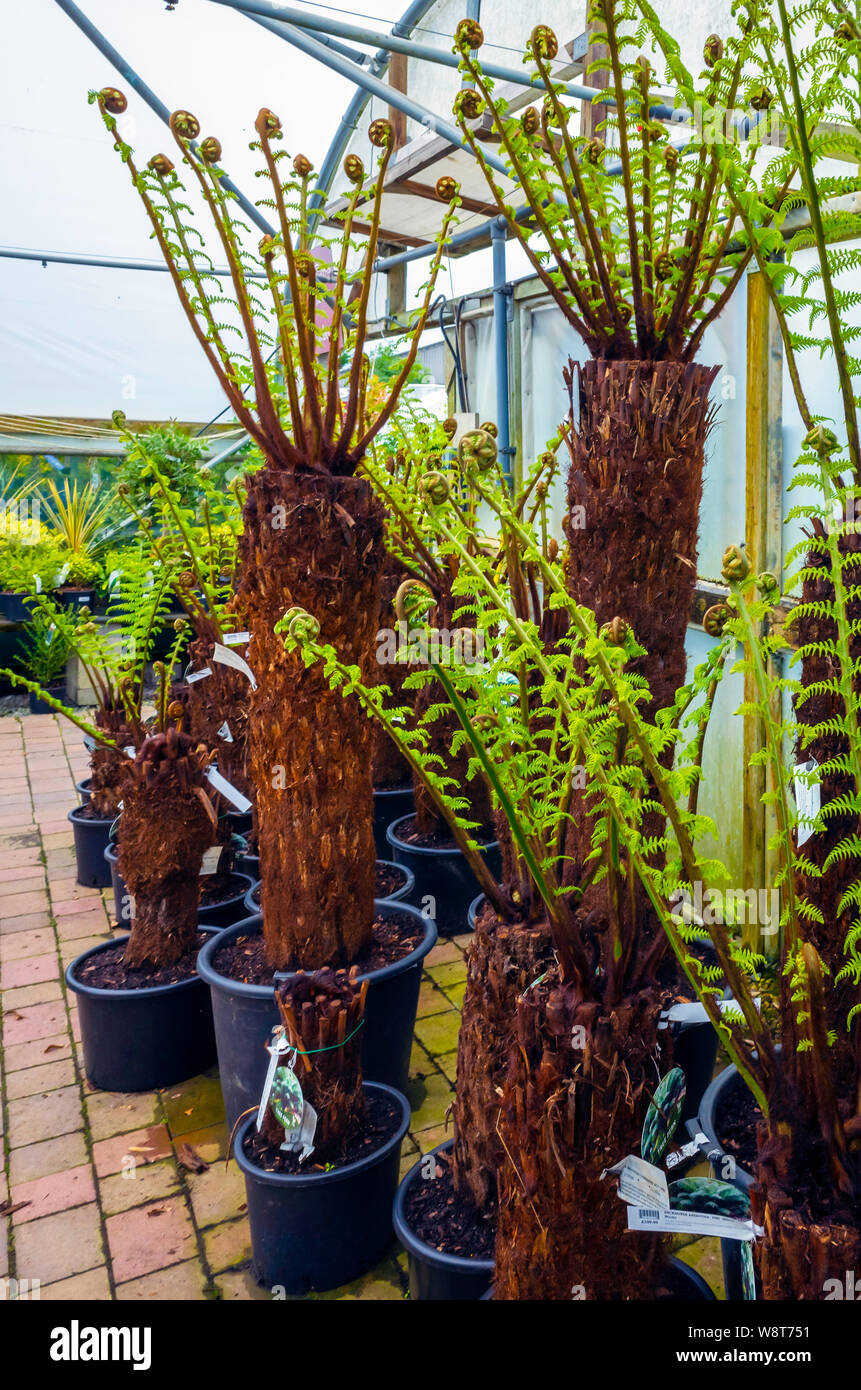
{"points": [[142, 1039], [444, 876], [40, 706], [433, 1275], [229, 910], [92, 836], [390, 804], [321, 1230], [244, 1016], [725, 1167], [122, 897], [76, 598], [15, 607], [241, 821], [406, 889], [84, 790], [252, 897], [683, 1284]]}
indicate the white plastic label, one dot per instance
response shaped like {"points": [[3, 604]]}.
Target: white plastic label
{"points": [[228, 658], [38, 578], [641, 1182], [209, 862], [130, 750], [695, 1223], [237, 639], [672, 1160], [224, 732], [198, 675], [807, 798], [89, 743], [227, 789]]}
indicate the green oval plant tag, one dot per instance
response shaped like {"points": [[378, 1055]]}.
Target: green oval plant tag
{"points": [[663, 1115], [286, 1099], [709, 1195]]}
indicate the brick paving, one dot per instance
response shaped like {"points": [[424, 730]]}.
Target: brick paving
{"points": [[103, 1209]]}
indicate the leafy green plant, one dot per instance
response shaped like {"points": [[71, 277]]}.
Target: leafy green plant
{"points": [[76, 516], [27, 568], [174, 453], [44, 649]]}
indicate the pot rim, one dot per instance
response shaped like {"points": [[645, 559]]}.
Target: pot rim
{"points": [[76, 815], [706, 1120], [148, 992], [206, 970], [398, 895], [349, 1170], [85, 784], [394, 791], [412, 1243], [112, 857], [406, 848]]}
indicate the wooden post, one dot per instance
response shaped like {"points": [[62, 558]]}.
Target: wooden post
{"points": [[591, 115], [763, 537]]}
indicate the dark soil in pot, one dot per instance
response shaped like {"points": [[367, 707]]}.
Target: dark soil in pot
{"points": [[220, 908], [244, 1008], [315, 1229], [449, 1244], [444, 882], [736, 1116], [92, 836], [141, 1029]]}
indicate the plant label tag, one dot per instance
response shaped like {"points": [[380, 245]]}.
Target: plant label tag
{"points": [[130, 750], [38, 579], [224, 732], [689, 1150], [641, 1182], [287, 1104], [237, 639], [227, 789], [692, 1223], [807, 799], [198, 675], [209, 862], [89, 743], [303, 1138], [276, 1049], [228, 658]]}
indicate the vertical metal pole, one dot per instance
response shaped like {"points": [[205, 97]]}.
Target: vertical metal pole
{"points": [[501, 296]]}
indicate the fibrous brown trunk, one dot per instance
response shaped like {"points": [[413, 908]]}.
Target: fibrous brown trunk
{"points": [[503, 962], [166, 824], [573, 1105], [637, 442], [322, 1014], [107, 764], [220, 698], [315, 542]]}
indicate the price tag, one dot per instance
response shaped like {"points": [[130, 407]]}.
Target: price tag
{"points": [[640, 1182], [237, 639], [692, 1223], [227, 789], [807, 798], [228, 658], [209, 862]]}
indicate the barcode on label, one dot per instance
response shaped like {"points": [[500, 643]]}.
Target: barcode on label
{"points": [[649, 1215]]}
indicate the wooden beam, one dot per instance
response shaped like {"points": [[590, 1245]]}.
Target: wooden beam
{"points": [[763, 536], [591, 115], [414, 189]]}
